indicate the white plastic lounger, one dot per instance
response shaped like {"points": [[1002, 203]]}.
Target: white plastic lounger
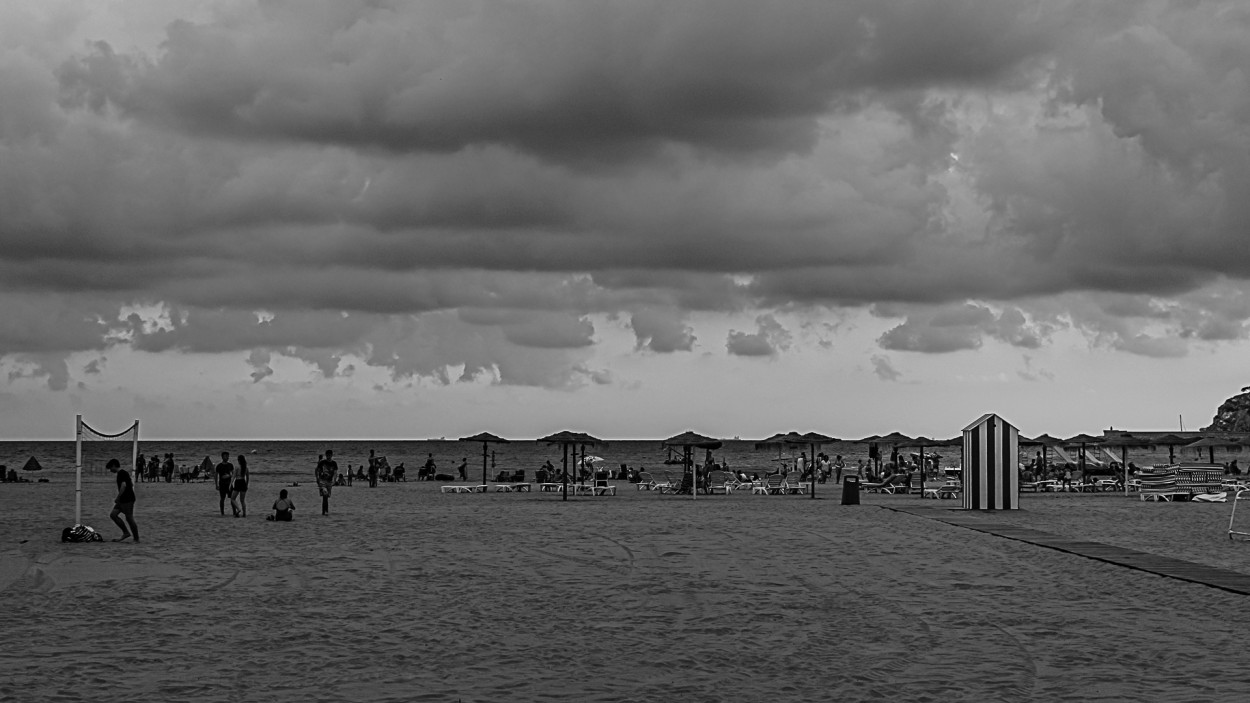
{"points": [[1232, 515]]}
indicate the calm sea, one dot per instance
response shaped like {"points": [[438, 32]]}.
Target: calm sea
{"points": [[293, 458]]}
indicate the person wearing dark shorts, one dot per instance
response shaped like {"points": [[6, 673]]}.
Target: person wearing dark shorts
{"points": [[225, 481], [124, 504], [327, 469], [238, 486]]}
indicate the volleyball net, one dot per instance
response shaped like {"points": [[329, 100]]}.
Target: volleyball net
{"points": [[86, 433]]}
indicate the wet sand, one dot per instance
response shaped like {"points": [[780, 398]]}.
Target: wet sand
{"points": [[404, 593]]}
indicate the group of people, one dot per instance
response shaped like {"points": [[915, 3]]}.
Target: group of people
{"points": [[155, 468]]}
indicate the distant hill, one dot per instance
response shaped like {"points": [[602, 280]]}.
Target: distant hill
{"points": [[1233, 415]]}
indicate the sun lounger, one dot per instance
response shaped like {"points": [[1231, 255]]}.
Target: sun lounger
{"points": [[719, 481], [1160, 485], [775, 484], [795, 485], [458, 488], [1200, 478], [646, 481]]}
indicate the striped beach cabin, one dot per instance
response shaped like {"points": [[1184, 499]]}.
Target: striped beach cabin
{"points": [[990, 472]]}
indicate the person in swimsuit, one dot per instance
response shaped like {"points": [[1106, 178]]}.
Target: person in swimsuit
{"points": [[124, 504], [283, 508], [327, 468], [238, 487], [225, 477]]}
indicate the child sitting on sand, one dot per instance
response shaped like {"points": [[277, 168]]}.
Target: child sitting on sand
{"points": [[282, 508]]}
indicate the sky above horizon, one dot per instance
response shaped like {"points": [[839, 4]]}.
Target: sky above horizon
{"points": [[409, 220]]}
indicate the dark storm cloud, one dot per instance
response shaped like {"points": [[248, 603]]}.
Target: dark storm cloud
{"points": [[424, 165], [610, 77]]}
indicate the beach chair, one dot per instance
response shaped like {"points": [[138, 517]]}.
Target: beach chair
{"points": [[1234, 533], [795, 484], [669, 484], [776, 484], [646, 481], [719, 481]]}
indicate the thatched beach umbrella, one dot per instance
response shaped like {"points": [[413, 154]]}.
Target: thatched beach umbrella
{"points": [[1044, 441], [1171, 441], [1124, 440], [781, 439], [921, 443], [1082, 440], [486, 439], [568, 439], [689, 441], [814, 440], [894, 440], [1211, 443]]}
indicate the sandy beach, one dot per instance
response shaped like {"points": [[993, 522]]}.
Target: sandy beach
{"points": [[404, 593]]}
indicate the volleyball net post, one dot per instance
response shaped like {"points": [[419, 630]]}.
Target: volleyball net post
{"points": [[84, 431]]}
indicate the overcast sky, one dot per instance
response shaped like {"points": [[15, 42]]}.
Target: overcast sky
{"points": [[410, 220]]}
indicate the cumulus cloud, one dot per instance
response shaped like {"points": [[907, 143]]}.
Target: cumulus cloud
{"points": [[884, 368], [661, 331], [952, 328], [259, 361], [769, 338]]}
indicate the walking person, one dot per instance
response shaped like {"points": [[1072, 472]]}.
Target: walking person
{"points": [[225, 480], [463, 469], [327, 468], [124, 504], [238, 488]]}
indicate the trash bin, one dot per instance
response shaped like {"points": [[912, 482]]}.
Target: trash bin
{"points": [[850, 490]]}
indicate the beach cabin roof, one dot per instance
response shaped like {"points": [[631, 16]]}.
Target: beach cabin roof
{"points": [[983, 419]]}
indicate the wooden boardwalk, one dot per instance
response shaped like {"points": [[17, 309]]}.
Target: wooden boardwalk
{"points": [[1222, 579]]}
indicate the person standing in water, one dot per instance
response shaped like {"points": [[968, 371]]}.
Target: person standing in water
{"points": [[124, 504], [327, 468], [238, 488], [225, 479]]}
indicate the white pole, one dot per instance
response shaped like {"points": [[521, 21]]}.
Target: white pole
{"points": [[134, 450], [78, 469]]}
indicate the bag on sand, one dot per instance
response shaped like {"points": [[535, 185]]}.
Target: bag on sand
{"points": [[80, 533]]}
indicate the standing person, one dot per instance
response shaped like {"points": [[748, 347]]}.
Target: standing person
{"points": [[326, 470], [124, 504], [225, 479], [238, 488], [463, 469], [838, 465], [373, 470]]}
